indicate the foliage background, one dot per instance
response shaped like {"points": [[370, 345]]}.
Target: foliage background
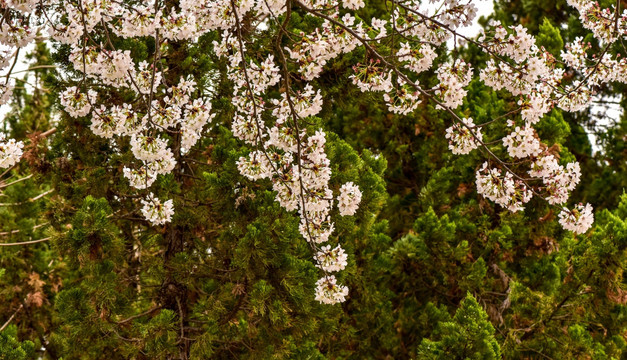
{"points": [[435, 271]]}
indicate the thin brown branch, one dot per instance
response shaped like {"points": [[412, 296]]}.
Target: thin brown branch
{"points": [[26, 242], [147, 312], [11, 318], [29, 200]]}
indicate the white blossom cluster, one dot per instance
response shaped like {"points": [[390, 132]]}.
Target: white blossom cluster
{"points": [[156, 212], [533, 107], [462, 139], [600, 21], [15, 32], [558, 180], [418, 60], [501, 188], [402, 100], [6, 90], [10, 151], [76, 103], [349, 199], [577, 220], [328, 291], [331, 260], [111, 67], [288, 155], [369, 77], [25, 6], [522, 143], [326, 43], [141, 178], [353, 4], [453, 78]]}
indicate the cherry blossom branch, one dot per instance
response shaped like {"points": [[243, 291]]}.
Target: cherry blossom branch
{"points": [[457, 34], [17, 53], [376, 54], [294, 116], [259, 137], [371, 50]]}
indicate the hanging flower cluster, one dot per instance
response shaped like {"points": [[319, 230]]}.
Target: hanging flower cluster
{"points": [[76, 104], [463, 137], [503, 189], [155, 211], [349, 199], [522, 143], [293, 159], [10, 151], [328, 291], [331, 260], [605, 24], [577, 220], [6, 90]]}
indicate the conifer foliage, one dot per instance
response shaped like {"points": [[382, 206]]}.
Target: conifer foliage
{"points": [[312, 179]]}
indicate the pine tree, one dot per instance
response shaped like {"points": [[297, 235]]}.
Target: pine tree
{"points": [[468, 335], [11, 349]]}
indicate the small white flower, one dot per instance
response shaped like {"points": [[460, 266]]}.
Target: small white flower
{"points": [[577, 220], [6, 90], [522, 143], [331, 260], [329, 292], [349, 199], [156, 212], [10, 152], [76, 103], [463, 139], [353, 4], [140, 178]]}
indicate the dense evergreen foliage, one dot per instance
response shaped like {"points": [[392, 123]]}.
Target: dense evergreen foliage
{"points": [[435, 271]]}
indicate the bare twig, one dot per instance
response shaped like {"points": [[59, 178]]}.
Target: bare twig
{"points": [[11, 318], [26, 242]]}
